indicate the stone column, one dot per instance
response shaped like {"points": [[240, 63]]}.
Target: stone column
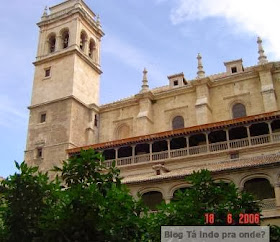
{"points": [[248, 134], [57, 42], [227, 138], [168, 148], [116, 155], [207, 141], [270, 131], [188, 145], [133, 153], [151, 150], [86, 47]]}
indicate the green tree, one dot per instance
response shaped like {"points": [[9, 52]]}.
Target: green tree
{"points": [[204, 196], [87, 202], [274, 233], [22, 203], [94, 205]]}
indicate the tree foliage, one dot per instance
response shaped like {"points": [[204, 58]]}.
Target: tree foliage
{"points": [[203, 196], [87, 202]]}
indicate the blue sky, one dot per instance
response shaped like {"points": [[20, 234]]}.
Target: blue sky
{"points": [[162, 35]]}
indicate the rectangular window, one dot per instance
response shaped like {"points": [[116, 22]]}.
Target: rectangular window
{"points": [[40, 152], [43, 118], [234, 155], [233, 69], [176, 83], [47, 72], [95, 120]]}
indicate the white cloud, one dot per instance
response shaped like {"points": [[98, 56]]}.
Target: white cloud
{"points": [[133, 57], [255, 17]]}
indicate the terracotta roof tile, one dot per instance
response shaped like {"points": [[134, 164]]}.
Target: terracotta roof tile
{"points": [[178, 132], [212, 166]]}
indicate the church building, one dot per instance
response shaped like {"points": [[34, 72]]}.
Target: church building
{"points": [[228, 123]]}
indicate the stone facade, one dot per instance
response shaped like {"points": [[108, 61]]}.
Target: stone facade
{"points": [[228, 123]]}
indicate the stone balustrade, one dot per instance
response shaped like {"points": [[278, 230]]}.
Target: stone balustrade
{"points": [[198, 150]]}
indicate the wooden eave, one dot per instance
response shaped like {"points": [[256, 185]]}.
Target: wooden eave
{"points": [[179, 132]]}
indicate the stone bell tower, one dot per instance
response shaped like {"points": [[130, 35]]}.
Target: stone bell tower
{"points": [[64, 104]]}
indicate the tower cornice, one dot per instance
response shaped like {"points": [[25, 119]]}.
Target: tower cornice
{"points": [[73, 50], [77, 8]]}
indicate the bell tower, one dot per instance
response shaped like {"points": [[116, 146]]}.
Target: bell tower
{"points": [[65, 95]]}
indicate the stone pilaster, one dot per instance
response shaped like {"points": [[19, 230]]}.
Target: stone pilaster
{"points": [[202, 105], [267, 88], [144, 119]]}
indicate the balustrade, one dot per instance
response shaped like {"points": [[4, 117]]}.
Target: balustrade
{"points": [[239, 143], [124, 161], [276, 137], [160, 155], [218, 146], [142, 158], [197, 150], [268, 204], [179, 152], [262, 139]]}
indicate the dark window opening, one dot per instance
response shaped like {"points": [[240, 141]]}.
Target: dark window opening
{"points": [[125, 152], [178, 122], [234, 155], [275, 126], [159, 146], [198, 139], [142, 149], [176, 83], [95, 120], [65, 39], [48, 72], [259, 129], [238, 133], [39, 152], [152, 199], [217, 136], [82, 41], [233, 69], [52, 41], [43, 117], [238, 111], [91, 48], [178, 143], [109, 154], [260, 188]]}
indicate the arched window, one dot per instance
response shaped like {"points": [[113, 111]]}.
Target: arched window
{"points": [[51, 42], [83, 39], [91, 48], [123, 131], [152, 199], [260, 188], [178, 122], [238, 110], [65, 38]]}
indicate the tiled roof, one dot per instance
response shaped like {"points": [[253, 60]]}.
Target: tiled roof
{"points": [[178, 132], [218, 166]]}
